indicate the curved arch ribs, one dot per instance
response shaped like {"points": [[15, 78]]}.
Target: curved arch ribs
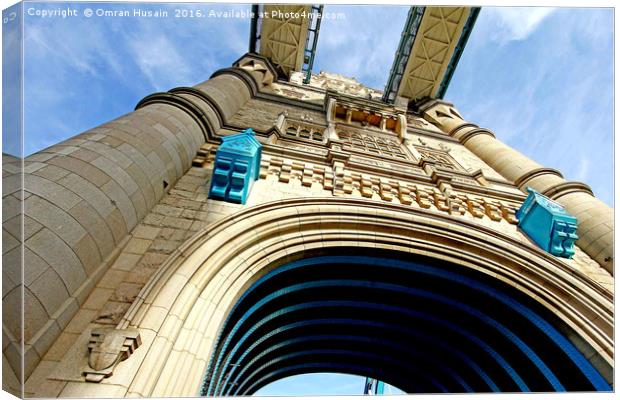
{"points": [[181, 310]]}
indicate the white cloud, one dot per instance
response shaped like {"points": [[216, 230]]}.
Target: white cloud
{"points": [[549, 95], [516, 23], [583, 170], [159, 61]]}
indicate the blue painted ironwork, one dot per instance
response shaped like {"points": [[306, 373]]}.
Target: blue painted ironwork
{"points": [[407, 39], [373, 386], [469, 336], [229, 354], [458, 51], [548, 224], [312, 39], [257, 10], [237, 165], [421, 337], [424, 356]]}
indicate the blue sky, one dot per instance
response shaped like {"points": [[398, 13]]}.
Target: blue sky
{"points": [[541, 79]]}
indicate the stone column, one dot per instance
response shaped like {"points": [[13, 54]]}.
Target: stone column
{"points": [[82, 198], [595, 217]]}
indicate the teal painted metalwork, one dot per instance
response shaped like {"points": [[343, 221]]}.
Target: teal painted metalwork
{"points": [[458, 51], [311, 41], [548, 224], [374, 386], [237, 165], [407, 39], [255, 337]]}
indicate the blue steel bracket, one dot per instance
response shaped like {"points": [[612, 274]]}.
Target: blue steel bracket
{"points": [[237, 165], [548, 224], [374, 386]]}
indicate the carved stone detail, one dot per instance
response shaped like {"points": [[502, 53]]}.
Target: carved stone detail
{"points": [[440, 157], [342, 181], [107, 348], [372, 144]]}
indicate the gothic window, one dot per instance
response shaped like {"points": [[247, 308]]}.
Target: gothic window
{"points": [[372, 144], [304, 132]]}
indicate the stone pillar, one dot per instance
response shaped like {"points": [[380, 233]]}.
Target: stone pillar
{"points": [[595, 217], [82, 197]]}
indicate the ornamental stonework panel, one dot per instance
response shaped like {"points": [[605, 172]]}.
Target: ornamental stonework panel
{"points": [[440, 157], [372, 144], [306, 132]]}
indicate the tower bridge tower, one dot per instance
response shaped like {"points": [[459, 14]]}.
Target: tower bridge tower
{"points": [[271, 221]]}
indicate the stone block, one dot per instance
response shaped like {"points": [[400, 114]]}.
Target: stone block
{"points": [[85, 155], [117, 225], [96, 227], [145, 232], [110, 153], [45, 338], [49, 290], [126, 292], [115, 172], [111, 313], [137, 246], [87, 171], [55, 219], [98, 298], [126, 261], [12, 308], [95, 390], [35, 315], [80, 322], [51, 172], [11, 207], [122, 202], [50, 191], [89, 192], [59, 256], [88, 253], [167, 210], [111, 279], [179, 223]]}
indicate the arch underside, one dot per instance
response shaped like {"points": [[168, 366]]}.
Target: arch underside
{"points": [[422, 325]]}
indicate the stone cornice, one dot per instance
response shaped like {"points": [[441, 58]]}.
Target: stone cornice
{"points": [[475, 132], [536, 173], [204, 96], [245, 76], [565, 188], [208, 131]]}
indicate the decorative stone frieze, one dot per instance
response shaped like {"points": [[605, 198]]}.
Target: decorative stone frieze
{"points": [[344, 182]]}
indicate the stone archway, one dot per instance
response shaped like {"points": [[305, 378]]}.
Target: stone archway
{"points": [[182, 309]]}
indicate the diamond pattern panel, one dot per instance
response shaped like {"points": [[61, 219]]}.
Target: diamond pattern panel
{"points": [[437, 37], [283, 35]]}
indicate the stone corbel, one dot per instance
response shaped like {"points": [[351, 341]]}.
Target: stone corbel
{"points": [[107, 348], [280, 120], [251, 63], [401, 127]]}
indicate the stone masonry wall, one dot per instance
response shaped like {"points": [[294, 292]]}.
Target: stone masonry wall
{"points": [[182, 212]]}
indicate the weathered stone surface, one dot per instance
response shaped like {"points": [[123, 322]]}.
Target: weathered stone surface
{"points": [[59, 256]]}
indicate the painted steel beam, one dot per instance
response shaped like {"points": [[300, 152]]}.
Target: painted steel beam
{"points": [[403, 52], [431, 45], [304, 317], [287, 34]]}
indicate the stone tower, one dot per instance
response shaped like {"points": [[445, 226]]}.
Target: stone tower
{"points": [[138, 280]]}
